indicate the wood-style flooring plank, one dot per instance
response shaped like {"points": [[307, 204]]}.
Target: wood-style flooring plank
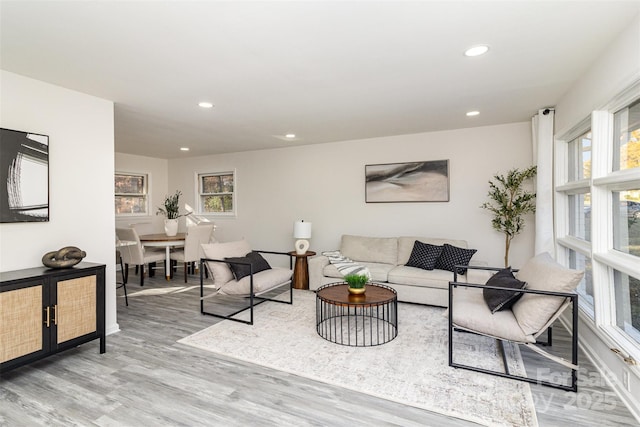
{"points": [[146, 378]]}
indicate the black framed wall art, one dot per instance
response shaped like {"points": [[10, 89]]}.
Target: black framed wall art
{"points": [[24, 176], [426, 181]]}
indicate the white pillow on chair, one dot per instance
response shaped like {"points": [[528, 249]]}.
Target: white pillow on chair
{"points": [[543, 273], [220, 272]]}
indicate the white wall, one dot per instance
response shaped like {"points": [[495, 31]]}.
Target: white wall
{"points": [[611, 73], [81, 145], [157, 172], [324, 184]]}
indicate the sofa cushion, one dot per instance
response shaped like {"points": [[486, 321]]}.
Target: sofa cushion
{"points": [[470, 312], [403, 275], [370, 249], [262, 282], [424, 255], [543, 273], [379, 272], [257, 264], [405, 245], [220, 272], [501, 299], [454, 255]]}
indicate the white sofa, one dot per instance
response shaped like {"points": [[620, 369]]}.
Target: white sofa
{"points": [[386, 258]]}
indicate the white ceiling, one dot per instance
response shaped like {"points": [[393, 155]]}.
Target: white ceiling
{"points": [[324, 70]]}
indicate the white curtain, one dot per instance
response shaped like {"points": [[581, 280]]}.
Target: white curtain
{"points": [[542, 131]]}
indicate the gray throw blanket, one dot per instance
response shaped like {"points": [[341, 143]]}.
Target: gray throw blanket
{"points": [[345, 265]]}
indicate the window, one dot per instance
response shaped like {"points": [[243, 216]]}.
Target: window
{"points": [[626, 153], [598, 216], [580, 157], [217, 193], [575, 236], [578, 261], [580, 216], [627, 289], [626, 221], [131, 194]]}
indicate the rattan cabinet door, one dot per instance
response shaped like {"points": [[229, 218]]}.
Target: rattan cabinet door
{"points": [[75, 309], [21, 322]]}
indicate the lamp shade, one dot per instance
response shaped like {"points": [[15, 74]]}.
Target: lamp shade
{"points": [[302, 230]]}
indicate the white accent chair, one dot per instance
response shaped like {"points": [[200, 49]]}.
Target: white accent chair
{"points": [[192, 251], [137, 254], [549, 289], [242, 278]]}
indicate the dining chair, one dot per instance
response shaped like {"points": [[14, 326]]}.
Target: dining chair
{"points": [[137, 254], [192, 252]]}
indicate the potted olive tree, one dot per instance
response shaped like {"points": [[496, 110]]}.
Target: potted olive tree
{"points": [[509, 203], [171, 210]]}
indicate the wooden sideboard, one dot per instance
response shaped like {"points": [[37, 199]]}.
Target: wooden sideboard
{"points": [[44, 311]]}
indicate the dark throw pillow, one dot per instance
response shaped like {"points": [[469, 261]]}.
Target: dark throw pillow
{"points": [[501, 299], [453, 255], [242, 270], [424, 255]]}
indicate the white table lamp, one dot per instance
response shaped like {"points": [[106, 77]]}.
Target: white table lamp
{"points": [[302, 232]]}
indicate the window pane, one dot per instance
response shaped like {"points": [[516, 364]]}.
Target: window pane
{"points": [[627, 290], [227, 183], [580, 216], [580, 157], [223, 203], [626, 153], [130, 205], [580, 262], [217, 192], [211, 184], [130, 194], [626, 221], [129, 184]]}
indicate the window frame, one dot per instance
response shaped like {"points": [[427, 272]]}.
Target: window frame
{"points": [[602, 183], [199, 194], [145, 194]]}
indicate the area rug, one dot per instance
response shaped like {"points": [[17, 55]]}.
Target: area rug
{"points": [[412, 369]]}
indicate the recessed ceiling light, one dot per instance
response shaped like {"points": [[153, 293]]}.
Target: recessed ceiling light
{"points": [[205, 104], [476, 50], [473, 113], [184, 148], [290, 135]]}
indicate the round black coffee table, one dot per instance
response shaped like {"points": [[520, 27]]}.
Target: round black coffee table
{"points": [[357, 320]]}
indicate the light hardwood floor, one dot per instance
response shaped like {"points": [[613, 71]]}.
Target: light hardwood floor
{"points": [[147, 379]]}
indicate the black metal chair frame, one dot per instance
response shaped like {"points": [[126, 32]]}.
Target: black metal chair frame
{"points": [[254, 299], [125, 275], [574, 334]]}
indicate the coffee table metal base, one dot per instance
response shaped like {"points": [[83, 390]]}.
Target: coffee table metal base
{"points": [[357, 320]]}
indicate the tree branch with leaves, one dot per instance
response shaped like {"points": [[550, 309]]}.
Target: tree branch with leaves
{"points": [[509, 203]]}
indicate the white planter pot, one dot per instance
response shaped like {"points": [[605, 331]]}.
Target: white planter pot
{"points": [[171, 227]]}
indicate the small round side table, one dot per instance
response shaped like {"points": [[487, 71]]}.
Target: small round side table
{"points": [[301, 270]]}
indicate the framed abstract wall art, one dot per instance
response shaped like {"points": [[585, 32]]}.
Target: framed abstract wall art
{"points": [[24, 176], [426, 181]]}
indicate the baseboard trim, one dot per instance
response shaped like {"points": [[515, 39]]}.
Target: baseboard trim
{"points": [[597, 356]]}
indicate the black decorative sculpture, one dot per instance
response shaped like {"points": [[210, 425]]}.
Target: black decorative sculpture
{"points": [[63, 258]]}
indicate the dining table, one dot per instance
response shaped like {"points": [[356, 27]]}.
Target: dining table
{"points": [[161, 240]]}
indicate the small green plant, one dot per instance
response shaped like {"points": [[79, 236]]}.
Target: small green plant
{"points": [[171, 207], [356, 281]]}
